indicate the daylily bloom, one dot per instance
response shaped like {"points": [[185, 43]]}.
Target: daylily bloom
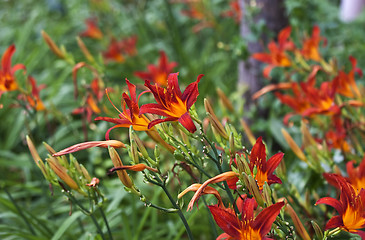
{"points": [[171, 103], [346, 84], [264, 168], [197, 10], [277, 56], [351, 208], [158, 74], [234, 12], [117, 49], [249, 226], [7, 78], [356, 176], [92, 30], [310, 45], [336, 136], [34, 100], [131, 116], [207, 190], [91, 104], [322, 99]]}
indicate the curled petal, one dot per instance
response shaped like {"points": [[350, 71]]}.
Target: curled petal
{"points": [[219, 178], [331, 202], [226, 220], [208, 190], [136, 168]]}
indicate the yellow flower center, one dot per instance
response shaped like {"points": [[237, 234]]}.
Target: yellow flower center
{"points": [[352, 219]]}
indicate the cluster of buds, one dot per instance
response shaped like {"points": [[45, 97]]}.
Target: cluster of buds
{"points": [[70, 175]]}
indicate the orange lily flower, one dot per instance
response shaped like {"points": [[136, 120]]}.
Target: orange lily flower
{"points": [[197, 10], [277, 56], [136, 168], [171, 103], [7, 78], [158, 74], [351, 208], [249, 226], [92, 30], [131, 116], [34, 100], [310, 45], [346, 84], [264, 168]]}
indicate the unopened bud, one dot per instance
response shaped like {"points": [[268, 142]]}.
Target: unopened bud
{"points": [[266, 192], [294, 146], [317, 230], [37, 159], [61, 172], [85, 173], [225, 101], [52, 45], [84, 49], [122, 174], [215, 123]]}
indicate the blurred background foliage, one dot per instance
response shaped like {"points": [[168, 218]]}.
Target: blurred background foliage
{"points": [[28, 208]]}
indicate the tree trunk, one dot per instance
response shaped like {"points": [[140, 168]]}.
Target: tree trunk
{"points": [[273, 12]]}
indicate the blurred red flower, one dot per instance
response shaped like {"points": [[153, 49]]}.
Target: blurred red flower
{"points": [[158, 73]]}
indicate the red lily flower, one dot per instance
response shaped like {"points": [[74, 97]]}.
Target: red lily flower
{"points": [[197, 10], [249, 226], [310, 45], [7, 78], [116, 49], [34, 100], [235, 11], [351, 208], [322, 99], [158, 74], [93, 98], [356, 176], [131, 116], [92, 30], [336, 136], [264, 168], [171, 103], [277, 56], [346, 84]]}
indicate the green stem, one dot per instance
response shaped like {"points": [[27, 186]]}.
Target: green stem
{"points": [[106, 223], [97, 226], [20, 212], [179, 212]]}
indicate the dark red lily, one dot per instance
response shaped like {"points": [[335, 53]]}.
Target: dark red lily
{"points": [[7, 78], [158, 73], [171, 103], [351, 208], [249, 226], [264, 168], [356, 176]]}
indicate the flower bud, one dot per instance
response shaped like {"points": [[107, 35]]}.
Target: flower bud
{"points": [[122, 174], [52, 45], [61, 172]]}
